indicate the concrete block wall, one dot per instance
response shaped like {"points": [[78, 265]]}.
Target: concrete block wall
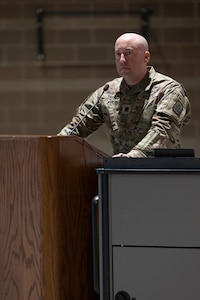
{"points": [[39, 96]]}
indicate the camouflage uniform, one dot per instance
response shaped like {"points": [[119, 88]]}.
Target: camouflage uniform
{"points": [[138, 119]]}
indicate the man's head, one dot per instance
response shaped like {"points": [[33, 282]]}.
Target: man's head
{"points": [[131, 57]]}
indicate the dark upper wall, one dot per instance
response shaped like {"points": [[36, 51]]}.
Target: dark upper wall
{"points": [[40, 96]]}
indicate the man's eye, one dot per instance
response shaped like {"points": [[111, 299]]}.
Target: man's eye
{"points": [[125, 53], [129, 52]]}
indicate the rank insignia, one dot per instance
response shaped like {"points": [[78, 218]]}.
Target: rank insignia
{"points": [[126, 109]]}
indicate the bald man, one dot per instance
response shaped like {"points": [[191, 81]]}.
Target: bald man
{"points": [[142, 109]]}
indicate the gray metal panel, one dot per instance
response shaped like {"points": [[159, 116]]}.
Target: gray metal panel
{"points": [[157, 273], [155, 209]]}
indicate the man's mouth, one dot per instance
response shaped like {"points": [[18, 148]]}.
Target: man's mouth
{"points": [[124, 68]]}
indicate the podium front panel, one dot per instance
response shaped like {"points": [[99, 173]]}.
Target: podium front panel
{"points": [[149, 242]]}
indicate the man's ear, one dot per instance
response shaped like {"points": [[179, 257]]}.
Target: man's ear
{"points": [[147, 56]]}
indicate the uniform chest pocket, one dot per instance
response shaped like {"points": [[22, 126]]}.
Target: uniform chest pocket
{"points": [[110, 114], [144, 123], [148, 112]]}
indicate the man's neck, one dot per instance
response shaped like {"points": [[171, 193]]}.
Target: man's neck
{"points": [[134, 81]]}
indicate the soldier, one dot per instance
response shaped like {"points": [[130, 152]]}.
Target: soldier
{"points": [[142, 109]]}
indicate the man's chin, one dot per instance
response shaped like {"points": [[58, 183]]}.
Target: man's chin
{"points": [[123, 72]]}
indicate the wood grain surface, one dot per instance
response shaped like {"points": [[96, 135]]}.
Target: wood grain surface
{"points": [[46, 188]]}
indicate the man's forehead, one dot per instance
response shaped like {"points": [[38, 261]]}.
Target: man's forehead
{"points": [[121, 48], [130, 42]]}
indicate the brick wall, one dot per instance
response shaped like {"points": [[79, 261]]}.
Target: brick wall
{"points": [[39, 95]]}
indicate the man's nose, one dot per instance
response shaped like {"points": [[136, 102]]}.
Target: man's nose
{"points": [[122, 57]]}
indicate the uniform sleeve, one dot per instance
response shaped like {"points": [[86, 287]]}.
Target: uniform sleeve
{"points": [[173, 110], [88, 117]]}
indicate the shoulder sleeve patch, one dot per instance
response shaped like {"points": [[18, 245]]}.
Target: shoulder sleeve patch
{"points": [[178, 107]]}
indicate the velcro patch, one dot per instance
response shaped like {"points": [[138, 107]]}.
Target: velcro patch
{"points": [[178, 107]]}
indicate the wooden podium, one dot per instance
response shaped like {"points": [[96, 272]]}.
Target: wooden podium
{"points": [[46, 189]]}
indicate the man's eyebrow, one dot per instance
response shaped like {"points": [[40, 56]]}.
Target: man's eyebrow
{"points": [[124, 49]]}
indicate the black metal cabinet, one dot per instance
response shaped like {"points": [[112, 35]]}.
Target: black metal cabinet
{"points": [[149, 229]]}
